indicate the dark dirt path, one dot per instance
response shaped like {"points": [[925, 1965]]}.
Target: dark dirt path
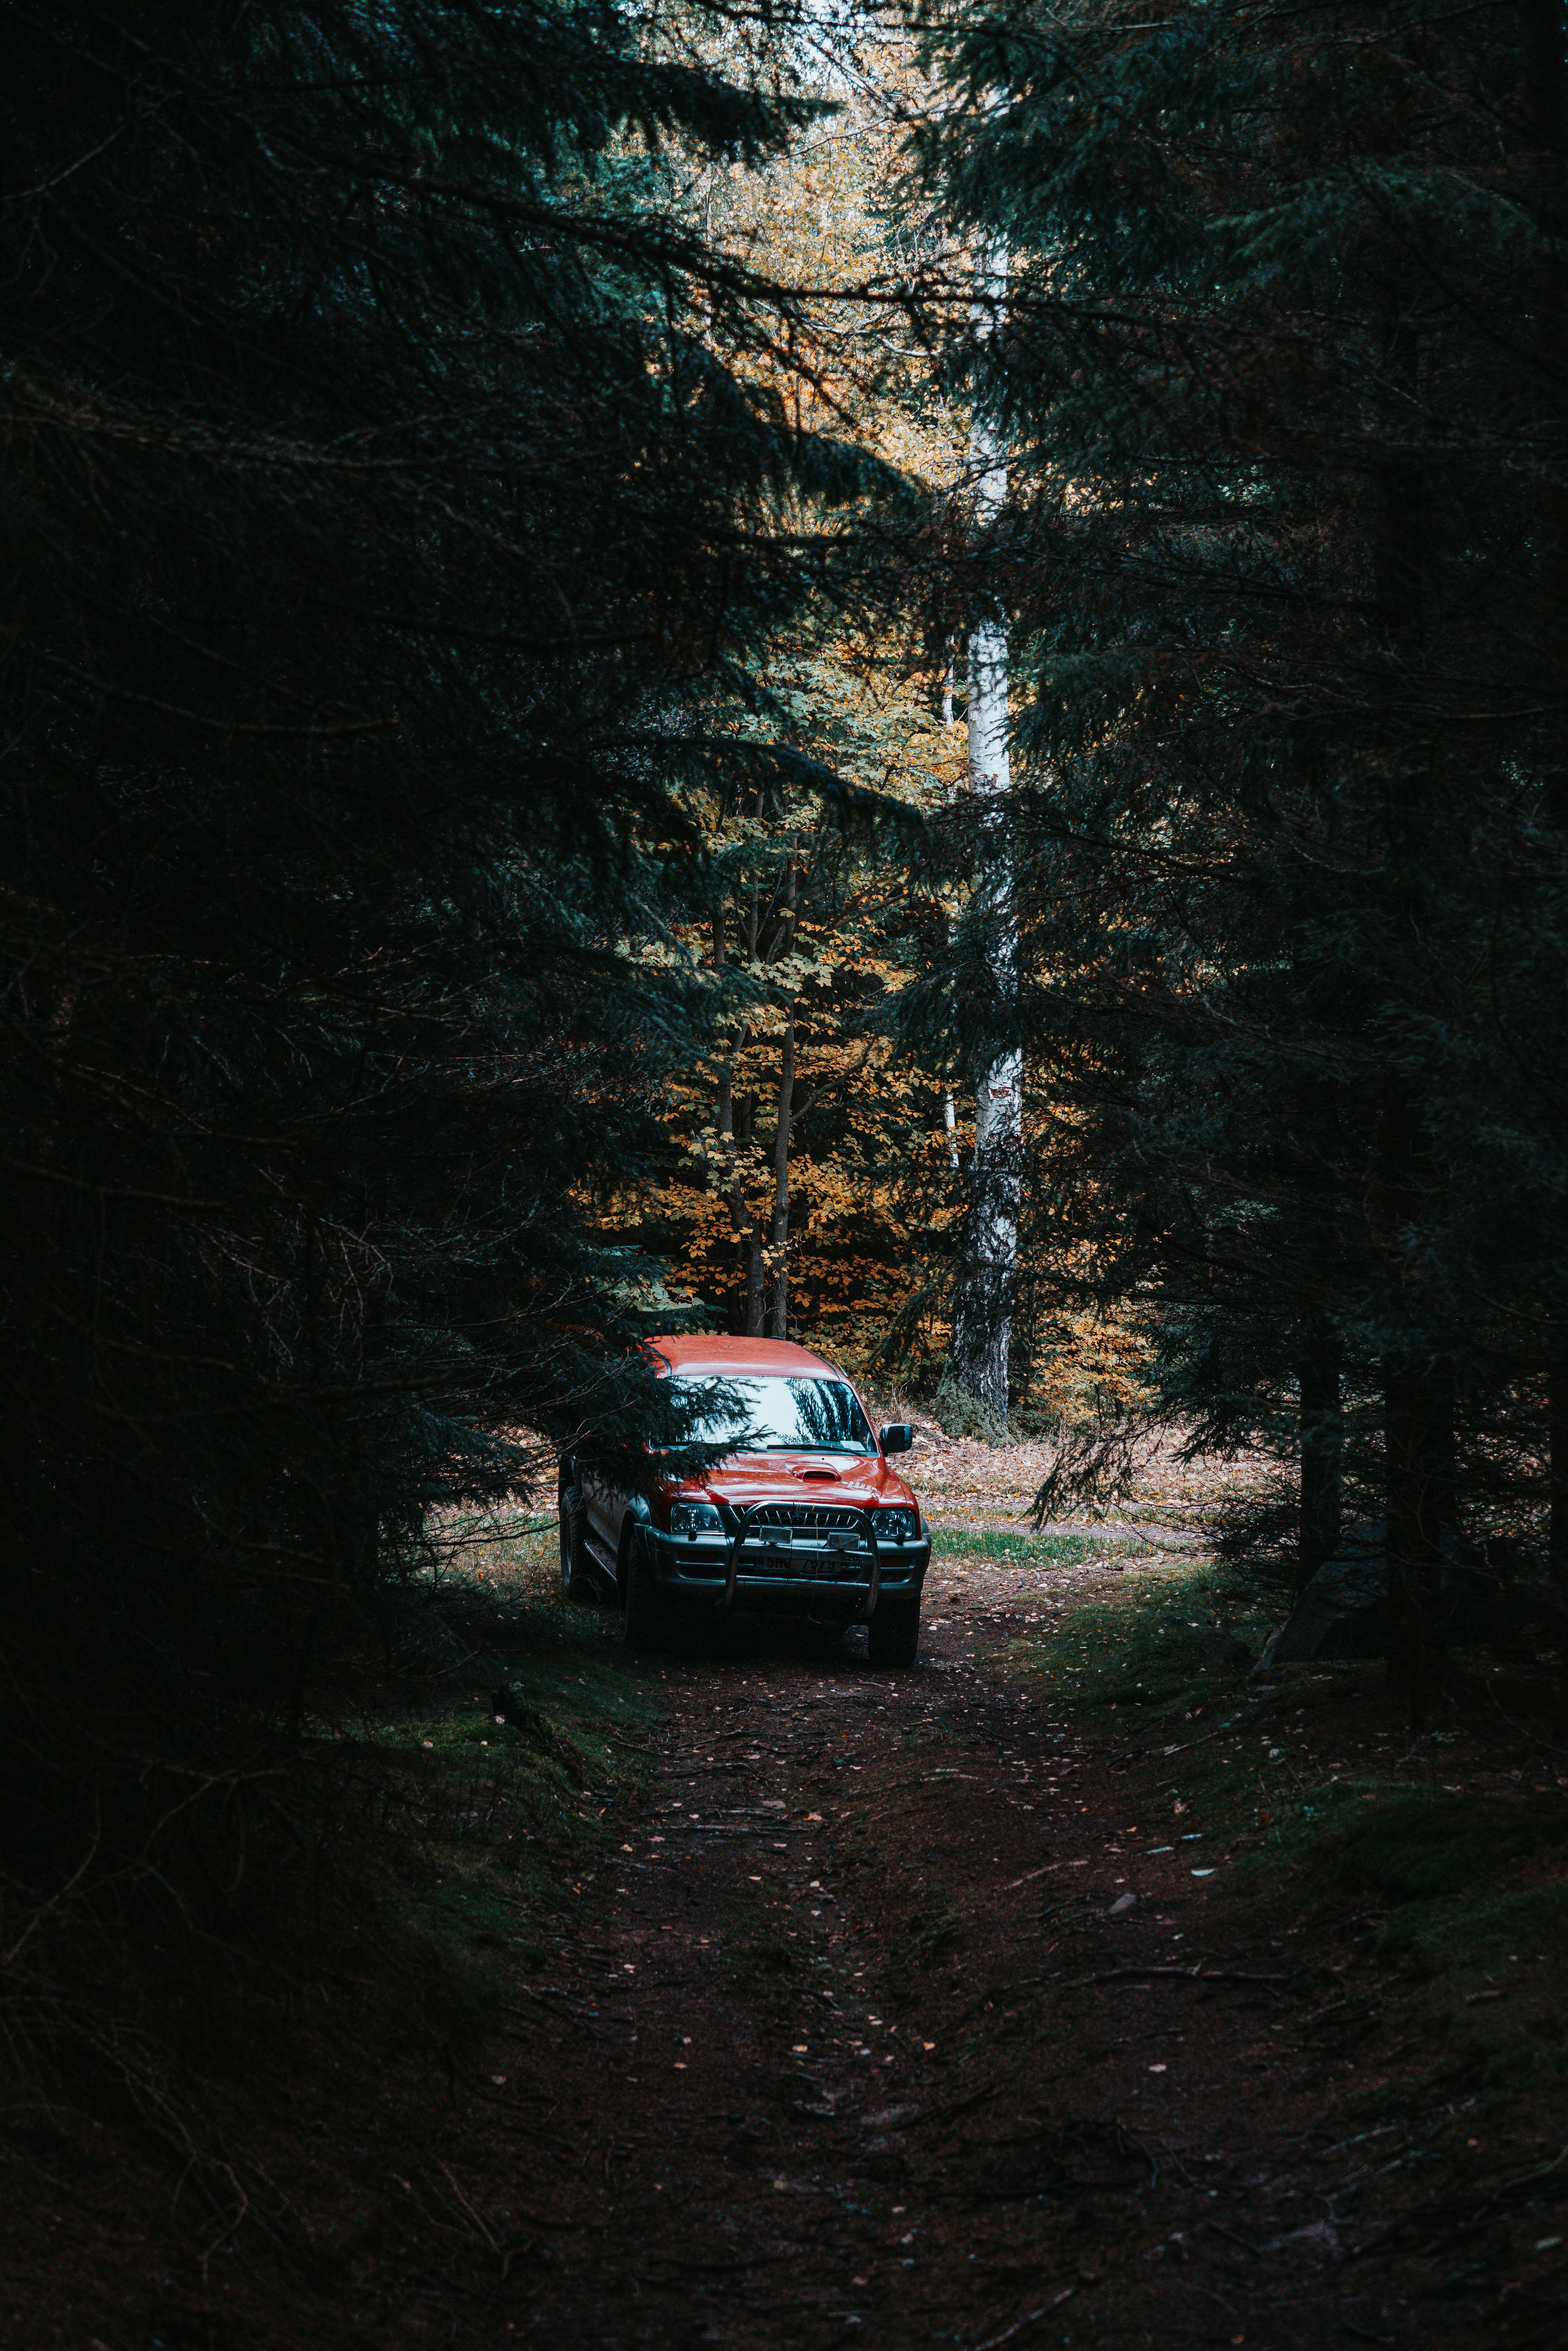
{"points": [[863, 2051], [849, 2040]]}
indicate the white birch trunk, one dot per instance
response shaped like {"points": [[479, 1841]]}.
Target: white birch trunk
{"points": [[950, 1121], [780, 1234], [982, 1321]]}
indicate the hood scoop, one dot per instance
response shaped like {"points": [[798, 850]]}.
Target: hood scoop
{"points": [[822, 1477]]}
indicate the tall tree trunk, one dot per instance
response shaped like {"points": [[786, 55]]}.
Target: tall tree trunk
{"points": [[982, 1319], [1546, 45], [1557, 1520], [1418, 1405], [1318, 1354], [1557, 1473], [779, 1236], [756, 1287], [1322, 1445], [1541, 27], [1419, 1409], [747, 1240], [1417, 1378]]}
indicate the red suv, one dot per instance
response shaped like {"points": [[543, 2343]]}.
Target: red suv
{"points": [[804, 1518]]}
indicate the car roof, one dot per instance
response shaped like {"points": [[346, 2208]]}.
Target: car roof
{"points": [[710, 1352]]}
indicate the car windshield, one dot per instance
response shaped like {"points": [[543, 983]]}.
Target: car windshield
{"points": [[783, 1416]]}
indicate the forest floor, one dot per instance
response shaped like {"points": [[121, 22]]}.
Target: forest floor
{"points": [[1077, 1988]]}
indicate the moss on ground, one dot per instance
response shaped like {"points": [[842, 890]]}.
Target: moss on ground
{"points": [[1450, 1899], [496, 1775]]}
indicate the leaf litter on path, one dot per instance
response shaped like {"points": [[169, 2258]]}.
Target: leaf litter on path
{"points": [[1009, 2061]]}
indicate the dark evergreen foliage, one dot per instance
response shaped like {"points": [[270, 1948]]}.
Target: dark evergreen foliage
{"points": [[388, 534], [1284, 370]]}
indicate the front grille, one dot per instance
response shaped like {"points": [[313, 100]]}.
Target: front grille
{"points": [[811, 1543], [812, 1517]]}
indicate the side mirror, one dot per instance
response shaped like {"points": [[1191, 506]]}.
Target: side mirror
{"points": [[897, 1438]]}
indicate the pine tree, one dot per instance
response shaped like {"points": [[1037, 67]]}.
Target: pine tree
{"points": [[389, 509], [1283, 384]]}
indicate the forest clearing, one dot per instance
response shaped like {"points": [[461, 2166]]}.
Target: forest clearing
{"points": [[785, 799]]}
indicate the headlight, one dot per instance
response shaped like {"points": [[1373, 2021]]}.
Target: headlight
{"points": [[694, 1519], [896, 1526]]}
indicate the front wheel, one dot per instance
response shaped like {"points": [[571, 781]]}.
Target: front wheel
{"points": [[576, 1574], [645, 1624], [893, 1636]]}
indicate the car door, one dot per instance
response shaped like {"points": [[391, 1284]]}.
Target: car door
{"points": [[604, 1500]]}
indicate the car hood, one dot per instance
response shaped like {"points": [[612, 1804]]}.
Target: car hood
{"points": [[797, 1478]]}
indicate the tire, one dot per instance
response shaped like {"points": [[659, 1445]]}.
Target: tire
{"points": [[893, 1636], [577, 1578], [645, 1621]]}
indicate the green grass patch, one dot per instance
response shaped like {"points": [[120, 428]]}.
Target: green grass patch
{"points": [[1166, 1638], [1034, 1551]]}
